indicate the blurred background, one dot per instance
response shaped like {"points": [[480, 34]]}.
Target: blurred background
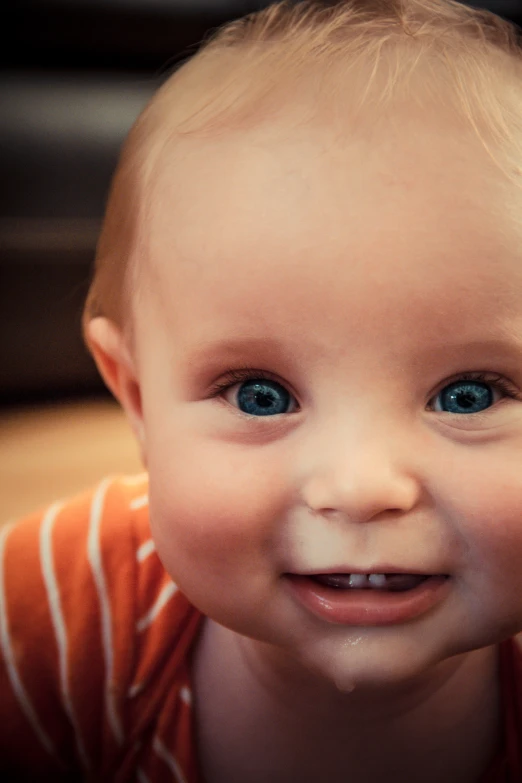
{"points": [[74, 76]]}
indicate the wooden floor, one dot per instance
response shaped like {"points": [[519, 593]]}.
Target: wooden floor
{"points": [[53, 451]]}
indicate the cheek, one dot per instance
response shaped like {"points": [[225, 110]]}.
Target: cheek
{"points": [[485, 507], [215, 508]]}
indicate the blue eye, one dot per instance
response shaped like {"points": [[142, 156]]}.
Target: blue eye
{"points": [[259, 397], [465, 397]]}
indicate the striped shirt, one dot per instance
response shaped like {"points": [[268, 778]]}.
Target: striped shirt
{"points": [[95, 644]]}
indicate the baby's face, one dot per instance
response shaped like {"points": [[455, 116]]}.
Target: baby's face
{"points": [[374, 289]]}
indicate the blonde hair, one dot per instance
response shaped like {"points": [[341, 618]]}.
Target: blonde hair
{"points": [[236, 77]]}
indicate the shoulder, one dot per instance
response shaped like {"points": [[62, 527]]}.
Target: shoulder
{"points": [[101, 511], [73, 565], [69, 575], [84, 575], [67, 616], [94, 634]]}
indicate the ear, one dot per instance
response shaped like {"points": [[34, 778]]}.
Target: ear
{"points": [[111, 354]]}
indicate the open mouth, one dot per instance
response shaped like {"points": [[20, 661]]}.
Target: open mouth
{"points": [[396, 583], [368, 599]]}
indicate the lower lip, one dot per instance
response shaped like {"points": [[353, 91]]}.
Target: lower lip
{"points": [[367, 607]]}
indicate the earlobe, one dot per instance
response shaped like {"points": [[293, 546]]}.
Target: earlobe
{"points": [[110, 352]]}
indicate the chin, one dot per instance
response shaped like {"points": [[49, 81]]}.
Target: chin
{"points": [[371, 661]]}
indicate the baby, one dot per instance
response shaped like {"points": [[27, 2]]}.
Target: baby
{"points": [[308, 300]]}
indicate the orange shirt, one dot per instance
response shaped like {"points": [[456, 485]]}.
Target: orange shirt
{"points": [[95, 643]]}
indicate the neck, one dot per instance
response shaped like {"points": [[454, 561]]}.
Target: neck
{"points": [[443, 726], [293, 687]]}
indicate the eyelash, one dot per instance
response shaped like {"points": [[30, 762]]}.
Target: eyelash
{"points": [[239, 376], [248, 373], [497, 382]]}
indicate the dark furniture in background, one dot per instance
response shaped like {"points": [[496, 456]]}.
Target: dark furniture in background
{"points": [[74, 75]]}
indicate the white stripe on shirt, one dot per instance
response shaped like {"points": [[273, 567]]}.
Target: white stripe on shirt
{"points": [[145, 550], [186, 695], [95, 560], [148, 618], [60, 632], [140, 502]]}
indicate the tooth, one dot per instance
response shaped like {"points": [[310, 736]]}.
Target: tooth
{"points": [[358, 580], [377, 580]]}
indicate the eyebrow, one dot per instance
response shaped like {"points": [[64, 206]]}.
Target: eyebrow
{"points": [[507, 346], [231, 344], [267, 348]]}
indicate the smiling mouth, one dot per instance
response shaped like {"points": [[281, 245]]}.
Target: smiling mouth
{"points": [[393, 582], [368, 599]]}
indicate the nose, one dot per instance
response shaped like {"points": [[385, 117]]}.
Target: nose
{"points": [[362, 478]]}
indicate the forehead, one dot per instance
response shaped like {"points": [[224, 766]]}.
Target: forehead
{"points": [[279, 221]]}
